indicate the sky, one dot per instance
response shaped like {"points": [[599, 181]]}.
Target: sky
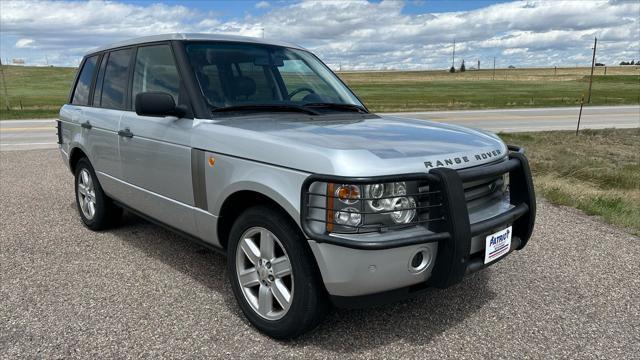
{"points": [[347, 35]]}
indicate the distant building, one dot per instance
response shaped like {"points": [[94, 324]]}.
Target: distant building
{"points": [[17, 61]]}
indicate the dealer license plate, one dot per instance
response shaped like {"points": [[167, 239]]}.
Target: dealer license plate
{"points": [[497, 244]]}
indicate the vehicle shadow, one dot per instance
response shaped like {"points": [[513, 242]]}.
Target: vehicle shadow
{"points": [[345, 331], [415, 321]]}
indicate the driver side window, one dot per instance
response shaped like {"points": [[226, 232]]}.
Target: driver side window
{"points": [[155, 70]]}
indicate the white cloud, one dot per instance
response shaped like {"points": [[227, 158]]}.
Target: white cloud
{"points": [[24, 43], [353, 34], [262, 5]]}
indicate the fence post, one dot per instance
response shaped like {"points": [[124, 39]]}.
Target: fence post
{"points": [[580, 114]]}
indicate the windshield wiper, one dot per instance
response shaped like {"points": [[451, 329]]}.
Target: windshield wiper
{"points": [[338, 106], [266, 107]]}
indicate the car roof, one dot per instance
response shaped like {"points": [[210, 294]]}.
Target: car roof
{"points": [[196, 37]]}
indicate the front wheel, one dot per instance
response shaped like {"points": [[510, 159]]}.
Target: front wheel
{"points": [[272, 274]]}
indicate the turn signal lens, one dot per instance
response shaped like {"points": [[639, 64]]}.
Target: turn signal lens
{"points": [[348, 194]]}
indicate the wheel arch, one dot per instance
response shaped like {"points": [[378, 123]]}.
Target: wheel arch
{"points": [[75, 155], [239, 201]]}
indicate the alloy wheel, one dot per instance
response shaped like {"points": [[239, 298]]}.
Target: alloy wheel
{"points": [[86, 194], [264, 273]]}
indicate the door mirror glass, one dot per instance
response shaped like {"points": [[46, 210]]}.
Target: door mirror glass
{"points": [[157, 104]]}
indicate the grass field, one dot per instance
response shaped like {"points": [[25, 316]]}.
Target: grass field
{"points": [[597, 172], [35, 92], [509, 88], [40, 91]]}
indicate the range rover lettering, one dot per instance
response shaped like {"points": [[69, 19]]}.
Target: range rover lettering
{"points": [[257, 149]]}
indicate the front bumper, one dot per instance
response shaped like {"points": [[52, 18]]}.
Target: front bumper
{"points": [[372, 264]]}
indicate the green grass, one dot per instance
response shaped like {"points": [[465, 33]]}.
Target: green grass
{"points": [[597, 172], [40, 91], [413, 91], [35, 92]]}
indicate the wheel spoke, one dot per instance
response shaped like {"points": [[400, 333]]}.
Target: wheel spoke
{"points": [[89, 182], [266, 245], [281, 293], [85, 177], [281, 266], [250, 250], [265, 300], [91, 207], [249, 278], [82, 189]]}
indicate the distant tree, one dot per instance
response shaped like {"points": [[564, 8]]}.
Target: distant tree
{"points": [[600, 64], [452, 70], [632, 62], [511, 67], [462, 68], [624, 63]]}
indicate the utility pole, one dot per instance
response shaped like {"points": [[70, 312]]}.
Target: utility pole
{"points": [[593, 64], [478, 64], [453, 57], [494, 68]]}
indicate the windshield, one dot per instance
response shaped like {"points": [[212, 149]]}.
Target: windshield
{"points": [[238, 75]]}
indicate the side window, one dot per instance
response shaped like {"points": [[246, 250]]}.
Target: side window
{"points": [[97, 91], [81, 92], [116, 76], [155, 70]]}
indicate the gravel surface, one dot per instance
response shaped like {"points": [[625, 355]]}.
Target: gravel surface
{"points": [[141, 291]]}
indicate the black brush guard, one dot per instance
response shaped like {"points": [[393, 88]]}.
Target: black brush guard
{"points": [[449, 224]]}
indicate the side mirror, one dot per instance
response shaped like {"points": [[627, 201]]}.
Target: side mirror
{"points": [[158, 104]]}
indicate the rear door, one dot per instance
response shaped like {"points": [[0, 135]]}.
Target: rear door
{"points": [[102, 119], [155, 152], [72, 114]]}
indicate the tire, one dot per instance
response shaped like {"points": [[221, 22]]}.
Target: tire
{"points": [[307, 301], [101, 213]]}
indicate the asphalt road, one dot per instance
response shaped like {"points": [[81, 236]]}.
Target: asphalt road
{"points": [[141, 291], [40, 134]]}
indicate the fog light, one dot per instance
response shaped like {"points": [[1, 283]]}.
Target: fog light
{"points": [[420, 260]]}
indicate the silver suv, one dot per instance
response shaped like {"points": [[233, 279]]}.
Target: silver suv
{"points": [[256, 149]]}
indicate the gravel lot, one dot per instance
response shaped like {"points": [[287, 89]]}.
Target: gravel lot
{"points": [[141, 291]]}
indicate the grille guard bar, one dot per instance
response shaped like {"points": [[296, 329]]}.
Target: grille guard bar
{"points": [[454, 232]]}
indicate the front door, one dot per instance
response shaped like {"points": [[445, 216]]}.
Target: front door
{"points": [[155, 152]]}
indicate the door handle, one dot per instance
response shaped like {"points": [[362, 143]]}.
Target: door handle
{"points": [[125, 133], [86, 125]]}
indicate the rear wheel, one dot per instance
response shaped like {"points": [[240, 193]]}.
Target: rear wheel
{"points": [[96, 209], [272, 274]]}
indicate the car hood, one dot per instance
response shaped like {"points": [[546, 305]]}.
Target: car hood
{"points": [[349, 144]]}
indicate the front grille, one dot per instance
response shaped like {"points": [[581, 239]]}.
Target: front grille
{"points": [[477, 193], [484, 191]]}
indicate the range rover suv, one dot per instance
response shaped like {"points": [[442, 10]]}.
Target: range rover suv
{"points": [[258, 150]]}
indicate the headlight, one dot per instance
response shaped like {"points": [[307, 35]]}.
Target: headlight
{"points": [[362, 208]]}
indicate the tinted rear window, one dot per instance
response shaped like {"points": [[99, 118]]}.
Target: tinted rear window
{"points": [[81, 92], [116, 77]]}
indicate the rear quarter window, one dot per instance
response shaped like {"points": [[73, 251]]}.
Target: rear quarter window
{"points": [[83, 86]]}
